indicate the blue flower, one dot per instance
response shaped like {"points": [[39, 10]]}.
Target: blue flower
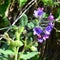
{"points": [[47, 30], [38, 12], [37, 31], [51, 17]]}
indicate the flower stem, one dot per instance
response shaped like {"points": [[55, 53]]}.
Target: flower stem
{"points": [[16, 55], [25, 42]]}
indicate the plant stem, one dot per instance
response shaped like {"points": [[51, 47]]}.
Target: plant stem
{"points": [[16, 56], [25, 42]]}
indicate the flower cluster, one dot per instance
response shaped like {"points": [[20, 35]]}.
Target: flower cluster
{"points": [[41, 34]]}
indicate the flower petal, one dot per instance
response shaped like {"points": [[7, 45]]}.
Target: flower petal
{"points": [[51, 17], [37, 30], [40, 40]]}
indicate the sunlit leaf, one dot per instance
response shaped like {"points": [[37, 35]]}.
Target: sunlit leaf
{"points": [[29, 55], [6, 52], [22, 2]]}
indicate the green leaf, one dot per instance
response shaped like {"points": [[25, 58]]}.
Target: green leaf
{"points": [[14, 27], [48, 2], [59, 11], [29, 55], [6, 52], [4, 22], [17, 43], [36, 58], [56, 3], [24, 20], [58, 18], [19, 32], [30, 25], [20, 29], [3, 57], [33, 48], [3, 7], [22, 2], [35, 22]]}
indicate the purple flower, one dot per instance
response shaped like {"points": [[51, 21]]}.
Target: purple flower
{"points": [[51, 17], [45, 37], [40, 40], [47, 30], [42, 35], [37, 31], [38, 12], [51, 24]]}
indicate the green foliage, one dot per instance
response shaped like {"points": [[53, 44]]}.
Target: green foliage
{"points": [[22, 44], [29, 55], [11, 42], [36, 58], [49, 2], [6, 52], [30, 25], [22, 3], [46, 2], [4, 22], [3, 57], [14, 27], [58, 11], [33, 48], [3, 7], [35, 22], [19, 32], [24, 20], [58, 18]]}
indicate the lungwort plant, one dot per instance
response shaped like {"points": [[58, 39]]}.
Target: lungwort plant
{"points": [[28, 29]]}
